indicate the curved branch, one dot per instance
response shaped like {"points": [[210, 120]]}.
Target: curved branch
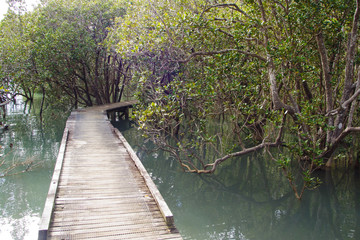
{"points": [[232, 6], [350, 100], [354, 102], [349, 73], [327, 154], [5, 103], [8, 100], [237, 154], [241, 153], [278, 103], [211, 53], [347, 103], [350, 54]]}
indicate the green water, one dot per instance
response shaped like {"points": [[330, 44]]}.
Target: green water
{"points": [[248, 198], [23, 195]]}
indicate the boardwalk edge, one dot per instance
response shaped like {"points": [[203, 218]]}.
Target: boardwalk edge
{"points": [[165, 210], [50, 200]]}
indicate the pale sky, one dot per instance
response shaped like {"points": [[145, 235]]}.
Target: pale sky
{"points": [[4, 6]]}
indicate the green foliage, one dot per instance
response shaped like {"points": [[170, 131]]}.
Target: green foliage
{"points": [[219, 77], [59, 48], [256, 65]]}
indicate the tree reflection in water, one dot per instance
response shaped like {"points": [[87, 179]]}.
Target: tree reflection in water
{"points": [[23, 195], [249, 198]]}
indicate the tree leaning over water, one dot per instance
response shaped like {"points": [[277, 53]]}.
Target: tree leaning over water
{"points": [[218, 78], [276, 73], [59, 49]]}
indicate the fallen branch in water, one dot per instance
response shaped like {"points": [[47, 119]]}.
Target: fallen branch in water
{"points": [[13, 169], [245, 151]]}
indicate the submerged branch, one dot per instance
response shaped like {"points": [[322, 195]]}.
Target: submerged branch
{"points": [[241, 153], [13, 169], [235, 154]]}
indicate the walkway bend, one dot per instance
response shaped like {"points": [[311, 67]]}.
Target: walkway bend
{"points": [[99, 189]]}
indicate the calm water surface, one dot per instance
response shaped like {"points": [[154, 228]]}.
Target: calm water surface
{"points": [[23, 195], [248, 198]]}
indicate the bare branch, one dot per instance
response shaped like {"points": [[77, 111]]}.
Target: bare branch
{"points": [[13, 168], [278, 103], [335, 144], [237, 154], [350, 54], [354, 103], [5, 103], [325, 70], [351, 99], [241, 153], [8, 100], [349, 74]]}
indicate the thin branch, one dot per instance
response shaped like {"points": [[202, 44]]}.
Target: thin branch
{"points": [[337, 141], [282, 6], [350, 54], [237, 154], [354, 103], [211, 53], [232, 6], [227, 20], [226, 33], [351, 99], [162, 20], [8, 101], [241, 153], [346, 104]]}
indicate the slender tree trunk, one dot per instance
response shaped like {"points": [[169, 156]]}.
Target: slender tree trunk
{"points": [[87, 90], [97, 86], [42, 102], [349, 74], [327, 82]]}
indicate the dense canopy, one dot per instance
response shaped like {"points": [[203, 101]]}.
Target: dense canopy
{"points": [[214, 78]]}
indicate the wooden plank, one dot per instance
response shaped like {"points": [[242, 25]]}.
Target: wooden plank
{"points": [[120, 225], [165, 210], [84, 216], [142, 217], [133, 229], [102, 192]]}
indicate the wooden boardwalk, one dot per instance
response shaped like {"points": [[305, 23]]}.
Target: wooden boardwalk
{"points": [[100, 190]]}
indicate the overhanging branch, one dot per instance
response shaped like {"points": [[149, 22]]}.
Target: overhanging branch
{"points": [[8, 100], [237, 154]]}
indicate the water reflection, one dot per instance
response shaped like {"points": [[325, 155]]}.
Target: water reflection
{"points": [[23, 195], [248, 198]]}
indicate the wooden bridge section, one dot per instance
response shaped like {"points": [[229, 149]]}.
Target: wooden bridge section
{"points": [[99, 189]]}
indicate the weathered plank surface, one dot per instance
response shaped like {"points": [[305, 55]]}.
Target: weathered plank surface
{"points": [[99, 191]]}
